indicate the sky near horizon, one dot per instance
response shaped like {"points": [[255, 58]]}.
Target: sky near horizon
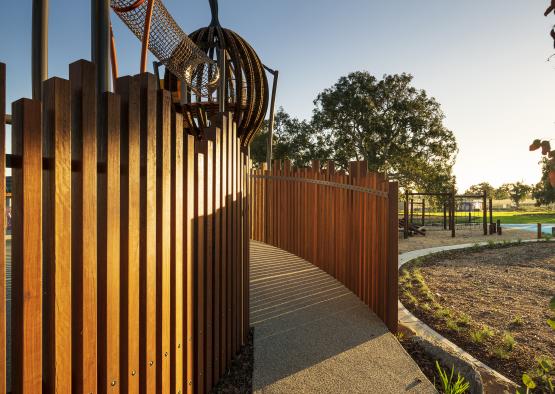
{"points": [[484, 61]]}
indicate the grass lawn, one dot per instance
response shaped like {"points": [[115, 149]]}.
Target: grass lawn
{"points": [[509, 217], [516, 217]]}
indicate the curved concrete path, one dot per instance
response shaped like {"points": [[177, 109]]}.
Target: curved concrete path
{"points": [[313, 335]]}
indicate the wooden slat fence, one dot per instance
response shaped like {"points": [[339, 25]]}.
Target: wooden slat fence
{"points": [[346, 225], [130, 254]]}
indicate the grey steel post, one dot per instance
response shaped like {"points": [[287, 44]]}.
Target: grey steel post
{"points": [[100, 43], [275, 74], [39, 51]]}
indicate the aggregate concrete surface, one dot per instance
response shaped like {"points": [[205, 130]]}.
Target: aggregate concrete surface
{"points": [[313, 335]]}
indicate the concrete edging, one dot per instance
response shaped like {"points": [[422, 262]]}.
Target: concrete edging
{"points": [[421, 329]]}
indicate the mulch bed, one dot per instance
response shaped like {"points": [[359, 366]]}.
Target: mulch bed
{"points": [[506, 289], [422, 359], [238, 378]]}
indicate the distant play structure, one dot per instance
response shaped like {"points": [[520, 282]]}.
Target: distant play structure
{"points": [[424, 212]]}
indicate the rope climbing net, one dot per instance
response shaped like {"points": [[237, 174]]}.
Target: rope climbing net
{"points": [[169, 43]]}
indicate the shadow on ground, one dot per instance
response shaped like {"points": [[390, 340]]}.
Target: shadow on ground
{"points": [[314, 335]]}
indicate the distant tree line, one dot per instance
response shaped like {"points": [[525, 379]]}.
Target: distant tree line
{"points": [[543, 193], [395, 127]]}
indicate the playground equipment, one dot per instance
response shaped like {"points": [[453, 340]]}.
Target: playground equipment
{"points": [[141, 296], [243, 88], [151, 22], [425, 212]]}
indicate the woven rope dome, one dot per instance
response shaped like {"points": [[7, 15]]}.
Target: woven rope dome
{"points": [[246, 92]]}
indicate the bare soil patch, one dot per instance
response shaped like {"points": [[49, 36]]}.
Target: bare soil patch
{"points": [[463, 236], [492, 302]]}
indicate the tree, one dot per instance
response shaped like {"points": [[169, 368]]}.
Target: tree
{"points": [[294, 139], [518, 192], [395, 127], [480, 188], [544, 192], [502, 192]]}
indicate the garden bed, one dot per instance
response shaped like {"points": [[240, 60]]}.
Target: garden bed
{"points": [[238, 379], [492, 301]]}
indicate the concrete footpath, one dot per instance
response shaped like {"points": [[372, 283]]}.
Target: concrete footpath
{"points": [[313, 335]]}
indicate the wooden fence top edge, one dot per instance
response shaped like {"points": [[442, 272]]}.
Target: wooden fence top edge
{"points": [[361, 189]]}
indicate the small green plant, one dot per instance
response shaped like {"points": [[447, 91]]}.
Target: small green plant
{"points": [[517, 321], [441, 313], [452, 325], [551, 321], [509, 341], [540, 378], [448, 384], [482, 334], [545, 366], [501, 352], [528, 383], [412, 299], [464, 319]]}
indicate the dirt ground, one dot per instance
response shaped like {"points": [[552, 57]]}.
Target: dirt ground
{"points": [[440, 238], [507, 289]]}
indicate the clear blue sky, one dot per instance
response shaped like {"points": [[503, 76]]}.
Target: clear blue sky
{"points": [[485, 61]]}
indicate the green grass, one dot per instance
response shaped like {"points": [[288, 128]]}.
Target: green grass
{"points": [[516, 217]]}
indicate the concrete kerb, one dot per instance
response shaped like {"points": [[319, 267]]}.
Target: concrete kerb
{"points": [[421, 329]]}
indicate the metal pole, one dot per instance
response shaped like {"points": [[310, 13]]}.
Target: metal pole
{"points": [[275, 74], [485, 213], [406, 216], [39, 51], [222, 96], [453, 221], [100, 43]]}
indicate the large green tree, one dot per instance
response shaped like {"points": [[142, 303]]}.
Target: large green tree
{"points": [[519, 191], [544, 192], [397, 128], [480, 188], [294, 139]]}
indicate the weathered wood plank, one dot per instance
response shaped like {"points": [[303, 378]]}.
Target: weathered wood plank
{"points": [[208, 152], [223, 246], [178, 293], [200, 240], [27, 247], [109, 245], [84, 226], [214, 135], [129, 90], [148, 253], [163, 206], [57, 233], [189, 256]]}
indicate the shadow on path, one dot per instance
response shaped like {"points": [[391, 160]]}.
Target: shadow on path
{"points": [[313, 335]]}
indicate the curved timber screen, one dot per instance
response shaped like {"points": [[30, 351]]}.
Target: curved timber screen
{"points": [[129, 242], [346, 225]]}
